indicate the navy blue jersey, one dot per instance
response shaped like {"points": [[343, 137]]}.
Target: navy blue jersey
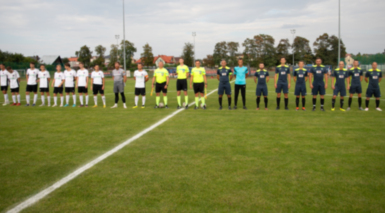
{"points": [[224, 73], [261, 75], [283, 72], [374, 76], [355, 74], [340, 76], [301, 74], [318, 74]]}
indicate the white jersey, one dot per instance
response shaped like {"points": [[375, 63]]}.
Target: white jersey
{"points": [[140, 78], [82, 77], [69, 78], [4, 77], [59, 77], [98, 77], [44, 76], [32, 76], [13, 79]]}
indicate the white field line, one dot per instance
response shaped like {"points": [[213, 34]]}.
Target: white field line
{"points": [[35, 198]]}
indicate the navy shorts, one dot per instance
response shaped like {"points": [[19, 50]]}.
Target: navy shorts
{"points": [[318, 89], [341, 91], [373, 91], [261, 90], [282, 87], [224, 88], [300, 90], [355, 89], [4, 88]]}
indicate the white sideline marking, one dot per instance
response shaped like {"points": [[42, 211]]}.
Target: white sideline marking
{"points": [[35, 198]]}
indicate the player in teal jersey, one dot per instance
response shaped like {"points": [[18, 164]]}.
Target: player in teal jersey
{"points": [[241, 73]]}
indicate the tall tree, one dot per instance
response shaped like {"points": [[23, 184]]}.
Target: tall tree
{"points": [[232, 48], [265, 49], [209, 61], [130, 51], [147, 56], [220, 52], [114, 52], [302, 50], [322, 48], [100, 51], [333, 40], [283, 50], [188, 54], [84, 55], [250, 52]]}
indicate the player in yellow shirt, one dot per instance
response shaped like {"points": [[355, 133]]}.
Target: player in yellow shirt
{"points": [[161, 78], [181, 84], [198, 76]]}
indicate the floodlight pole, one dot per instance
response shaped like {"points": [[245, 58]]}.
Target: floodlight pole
{"points": [[339, 31], [117, 46], [194, 34], [124, 38], [293, 32]]}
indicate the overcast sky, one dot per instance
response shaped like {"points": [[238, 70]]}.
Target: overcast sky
{"points": [[52, 27]]}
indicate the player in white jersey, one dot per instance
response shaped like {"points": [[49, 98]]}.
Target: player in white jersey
{"points": [[31, 84], [4, 83], [97, 85], [14, 83], [82, 83], [70, 76], [44, 78], [57, 84], [140, 77]]}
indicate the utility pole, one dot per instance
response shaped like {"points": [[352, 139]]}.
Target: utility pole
{"points": [[293, 32], [124, 38]]}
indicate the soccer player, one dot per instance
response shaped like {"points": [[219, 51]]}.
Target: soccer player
{"points": [[282, 82], [356, 76], [224, 76], [44, 78], [373, 78], [31, 84], [319, 74], [57, 84], [70, 76], [181, 84], [339, 76], [300, 77], [241, 73], [82, 83], [140, 77], [120, 79], [263, 78], [4, 83], [161, 78], [97, 85], [198, 76], [14, 82]]}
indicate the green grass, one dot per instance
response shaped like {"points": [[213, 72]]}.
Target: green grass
{"points": [[198, 161]]}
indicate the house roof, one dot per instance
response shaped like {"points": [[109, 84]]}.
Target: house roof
{"points": [[167, 59], [138, 61], [49, 59], [73, 59]]}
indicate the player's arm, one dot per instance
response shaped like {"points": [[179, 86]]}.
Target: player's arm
{"points": [[326, 80], [188, 73], [87, 81], [333, 78], [255, 79], [218, 75], [348, 80], [104, 82], [146, 78], [247, 73], [92, 81], [275, 80], [27, 77], [53, 82], [380, 77], [124, 78], [231, 75], [168, 78], [153, 80], [289, 80], [191, 80]]}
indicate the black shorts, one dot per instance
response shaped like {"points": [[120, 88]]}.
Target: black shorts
{"points": [[31, 88], [15, 90], [82, 90], [57, 90], [69, 89], [160, 87], [44, 89], [4, 88], [97, 88], [199, 87], [181, 84], [140, 91]]}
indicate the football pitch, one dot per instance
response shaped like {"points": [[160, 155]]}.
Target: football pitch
{"points": [[198, 160]]}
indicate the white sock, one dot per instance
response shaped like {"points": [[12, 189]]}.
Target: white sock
{"points": [[6, 98], [55, 100], [143, 100], [67, 99], [81, 99], [49, 100], [14, 98], [34, 99], [42, 99], [87, 100], [27, 98], [74, 97], [61, 100], [136, 100], [96, 100], [104, 100], [18, 98]]}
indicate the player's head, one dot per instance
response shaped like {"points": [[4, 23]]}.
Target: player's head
{"points": [[81, 65], [2, 66], [117, 65], [181, 61], [341, 65], [96, 67], [261, 66], [355, 63], [301, 64], [10, 69], [42, 67], [197, 63], [282, 60], [223, 63], [240, 62], [374, 65], [160, 64], [140, 66], [318, 61], [32, 65], [58, 67], [67, 66]]}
